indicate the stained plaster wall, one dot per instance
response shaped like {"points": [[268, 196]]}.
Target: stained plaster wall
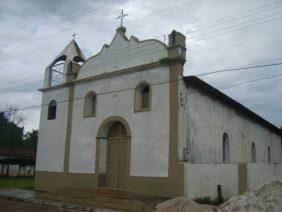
{"points": [[208, 119]]}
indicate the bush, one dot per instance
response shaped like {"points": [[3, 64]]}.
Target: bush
{"points": [[209, 201], [163, 61]]}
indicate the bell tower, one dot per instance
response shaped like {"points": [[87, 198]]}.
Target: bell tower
{"points": [[65, 67]]}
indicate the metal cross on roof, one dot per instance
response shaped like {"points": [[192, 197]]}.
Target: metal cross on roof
{"points": [[73, 36], [122, 15]]}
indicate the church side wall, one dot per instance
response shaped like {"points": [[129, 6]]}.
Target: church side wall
{"points": [[52, 133], [201, 180], [259, 173], [183, 121], [209, 119], [149, 130]]}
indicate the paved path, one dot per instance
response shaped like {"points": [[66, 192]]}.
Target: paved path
{"points": [[29, 201], [19, 193], [16, 206]]}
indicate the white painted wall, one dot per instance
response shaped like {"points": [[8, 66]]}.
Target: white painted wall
{"points": [[259, 173], [201, 180], [17, 170], [208, 119], [123, 53], [52, 133], [150, 130]]}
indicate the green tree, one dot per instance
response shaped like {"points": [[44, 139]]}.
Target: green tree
{"points": [[31, 138]]}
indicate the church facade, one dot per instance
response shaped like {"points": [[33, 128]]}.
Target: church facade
{"points": [[128, 119]]}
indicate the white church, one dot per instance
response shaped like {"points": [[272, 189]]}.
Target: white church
{"points": [[127, 119]]}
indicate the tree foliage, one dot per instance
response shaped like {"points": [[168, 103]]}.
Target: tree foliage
{"points": [[12, 137]]}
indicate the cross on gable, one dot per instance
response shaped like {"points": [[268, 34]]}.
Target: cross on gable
{"points": [[122, 15], [73, 36]]}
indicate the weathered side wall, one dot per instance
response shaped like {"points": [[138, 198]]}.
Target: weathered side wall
{"points": [[209, 119], [259, 173], [201, 180]]}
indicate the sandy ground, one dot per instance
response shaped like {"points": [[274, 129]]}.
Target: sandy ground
{"points": [[182, 204], [105, 198], [266, 198]]}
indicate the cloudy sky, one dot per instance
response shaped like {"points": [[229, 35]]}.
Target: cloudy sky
{"points": [[220, 35]]}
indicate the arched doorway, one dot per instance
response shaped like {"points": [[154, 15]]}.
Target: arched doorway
{"points": [[116, 156], [113, 153]]}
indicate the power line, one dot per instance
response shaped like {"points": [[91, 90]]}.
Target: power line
{"points": [[233, 17], [121, 90], [97, 94], [158, 37], [154, 14], [237, 69], [250, 81], [104, 28], [201, 74], [242, 23], [246, 27], [92, 10], [66, 20], [112, 61], [186, 34], [64, 30]]}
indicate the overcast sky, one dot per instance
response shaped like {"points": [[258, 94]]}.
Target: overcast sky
{"points": [[220, 34]]}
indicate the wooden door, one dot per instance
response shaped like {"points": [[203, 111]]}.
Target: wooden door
{"points": [[112, 164], [122, 162], [116, 157]]}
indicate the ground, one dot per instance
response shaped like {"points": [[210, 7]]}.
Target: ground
{"points": [[105, 198], [16, 206], [17, 182]]}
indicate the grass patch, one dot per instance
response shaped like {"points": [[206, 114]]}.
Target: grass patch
{"points": [[17, 182], [209, 201]]}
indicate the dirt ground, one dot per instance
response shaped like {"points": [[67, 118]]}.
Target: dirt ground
{"points": [[105, 198]]}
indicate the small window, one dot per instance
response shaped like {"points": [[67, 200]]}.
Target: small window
{"points": [[90, 105], [52, 110], [268, 154], [142, 97], [225, 147], [253, 152]]}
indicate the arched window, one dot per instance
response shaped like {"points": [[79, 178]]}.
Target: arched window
{"points": [[268, 154], [142, 97], [281, 149], [254, 152], [52, 110], [281, 145], [225, 147], [90, 104]]}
